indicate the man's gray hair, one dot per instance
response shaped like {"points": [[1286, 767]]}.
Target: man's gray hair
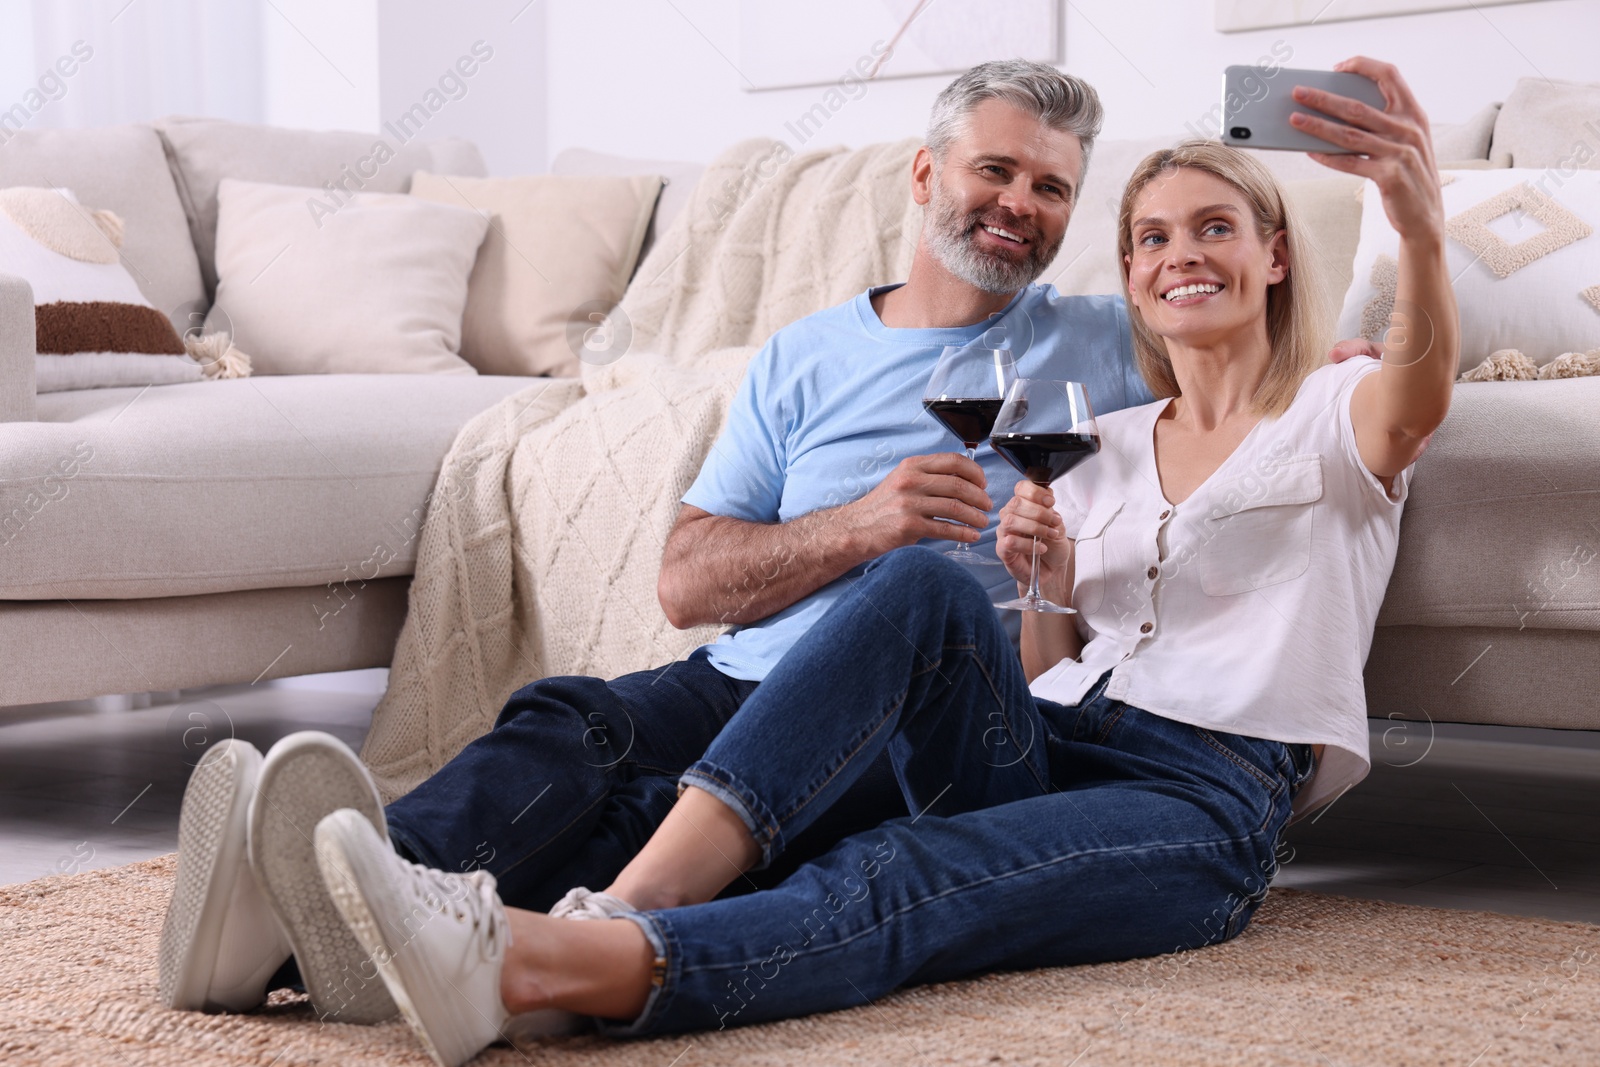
{"points": [[1058, 100]]}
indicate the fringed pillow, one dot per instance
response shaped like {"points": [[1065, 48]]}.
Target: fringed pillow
{"points": [[1510, 365], [1523, 248], [93, 327]]}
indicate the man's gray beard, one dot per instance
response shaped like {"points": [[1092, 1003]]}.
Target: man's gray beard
{"points": [[949, 235]]}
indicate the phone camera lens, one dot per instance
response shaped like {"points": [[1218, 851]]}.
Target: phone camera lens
{"points": [[1240, 133]]}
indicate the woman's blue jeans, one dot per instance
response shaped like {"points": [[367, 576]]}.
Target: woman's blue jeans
{"points": [[1038, 834]]}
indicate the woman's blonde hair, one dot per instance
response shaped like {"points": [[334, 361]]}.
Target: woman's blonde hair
{"points": [[1297, 315]]}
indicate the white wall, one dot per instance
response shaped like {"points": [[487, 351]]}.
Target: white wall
{"points": [[306, 63], [17, 68], [657, 79], [357, 64], [143, 60], [311, 64], [320, 64], [501, 106]]}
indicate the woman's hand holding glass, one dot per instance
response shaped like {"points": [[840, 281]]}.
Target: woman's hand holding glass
{"points": [[1029, 514]]}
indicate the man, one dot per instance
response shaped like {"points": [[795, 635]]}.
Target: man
{"points": [[827, 462]]}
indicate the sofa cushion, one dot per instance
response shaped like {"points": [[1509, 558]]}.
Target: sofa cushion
{"points": [[1547, 123], [1457, 142], [120, 169], [235, 484], [93, 327], [558, 248], [1328, 210], [85, 300], [386, 274], [1500, 529], [677, 182], [205, 151]]}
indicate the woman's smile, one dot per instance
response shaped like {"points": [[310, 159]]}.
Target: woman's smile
{"points": [[1185, 293]]}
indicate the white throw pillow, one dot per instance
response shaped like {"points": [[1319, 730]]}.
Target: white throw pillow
{"points": [[1524, 249], [111, 370], [376, 286], [557, 247], [92, 325]]}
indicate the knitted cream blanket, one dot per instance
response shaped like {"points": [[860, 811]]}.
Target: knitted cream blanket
{"points": [[543, 536]]}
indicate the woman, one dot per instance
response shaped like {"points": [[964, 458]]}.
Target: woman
{"points": [[1228, 550]]}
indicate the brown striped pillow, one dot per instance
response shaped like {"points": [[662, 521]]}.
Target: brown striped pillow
{"points": [[85, 299], [68, 326]]}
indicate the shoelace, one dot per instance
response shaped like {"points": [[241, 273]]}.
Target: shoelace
{"points": [[467, 897], [581, 903]]}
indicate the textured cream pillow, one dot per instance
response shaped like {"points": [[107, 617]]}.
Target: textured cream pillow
{"points": [[555, 246], [1524, 249], [376, 286]]}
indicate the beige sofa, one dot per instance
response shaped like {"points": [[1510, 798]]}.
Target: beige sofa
{"points": [[229, 530], [215, 531]]}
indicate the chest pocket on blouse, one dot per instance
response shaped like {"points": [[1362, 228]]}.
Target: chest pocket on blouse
{"points": [[1089, 568], [1258, 527]]}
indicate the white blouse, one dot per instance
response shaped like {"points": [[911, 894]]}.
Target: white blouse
{"points": [[1249, 608]]}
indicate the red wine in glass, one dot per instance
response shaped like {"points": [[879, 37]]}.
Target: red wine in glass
{"points": [[965, 393], [969, 418], [1044, 457], [1044, 429]]}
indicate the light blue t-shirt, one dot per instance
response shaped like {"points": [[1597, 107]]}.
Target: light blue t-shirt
{"points": [[832, 403]]}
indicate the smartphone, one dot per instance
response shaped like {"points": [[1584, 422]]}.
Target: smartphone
{"points": [[1257, 103]]}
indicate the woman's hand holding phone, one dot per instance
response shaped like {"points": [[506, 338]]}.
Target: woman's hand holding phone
{"points": [[1395, 413], [1395, 145]]}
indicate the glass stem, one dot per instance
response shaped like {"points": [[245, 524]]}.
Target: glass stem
{"points": [[972, 454], [1033, 579]]}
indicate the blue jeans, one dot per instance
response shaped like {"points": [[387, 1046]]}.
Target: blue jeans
{"points": [[576, 775], [1036, 834]]}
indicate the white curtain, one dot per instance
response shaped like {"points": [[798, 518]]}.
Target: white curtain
{"points": [[145, 59]]}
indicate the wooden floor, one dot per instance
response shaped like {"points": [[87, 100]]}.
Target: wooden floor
{"points": [[87, 784], [1452, 816]]}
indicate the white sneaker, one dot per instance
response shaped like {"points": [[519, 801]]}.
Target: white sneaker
{"points": [[220, 942], [439, 939], [585, 904], [305, 777]]}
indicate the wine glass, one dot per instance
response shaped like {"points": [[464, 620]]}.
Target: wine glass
{"points": [[964, 393], [1044, 429]]}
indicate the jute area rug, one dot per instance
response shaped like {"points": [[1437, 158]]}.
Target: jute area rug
{"points": [[1314, 980]]}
